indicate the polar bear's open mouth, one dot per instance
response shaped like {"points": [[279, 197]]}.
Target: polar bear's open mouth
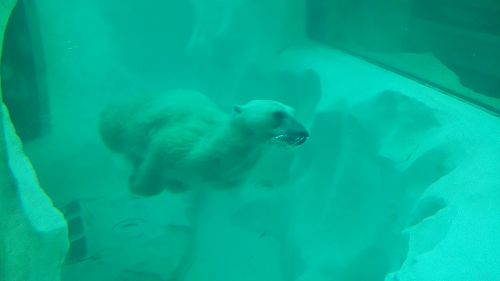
{"points": [[287, 140]]}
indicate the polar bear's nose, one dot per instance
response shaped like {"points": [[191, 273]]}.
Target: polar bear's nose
{"points": [[301, 131], [303, 134]]}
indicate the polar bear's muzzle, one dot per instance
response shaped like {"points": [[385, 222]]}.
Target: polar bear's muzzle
{"points": [[290, 139]]}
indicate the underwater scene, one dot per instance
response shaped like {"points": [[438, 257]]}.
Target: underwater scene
{"points": [[250, 140]]}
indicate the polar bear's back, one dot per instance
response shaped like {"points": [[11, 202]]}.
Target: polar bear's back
{"points": [[127, 128], [175, 107]]}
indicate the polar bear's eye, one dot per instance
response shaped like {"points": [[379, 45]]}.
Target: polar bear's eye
{"points": [[279, 114]]}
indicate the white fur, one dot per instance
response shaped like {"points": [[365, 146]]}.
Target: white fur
{"points": [[179, 139]]}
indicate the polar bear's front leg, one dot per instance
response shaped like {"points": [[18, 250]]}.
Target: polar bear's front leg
{"points": [[148, 180], [175, 186]]}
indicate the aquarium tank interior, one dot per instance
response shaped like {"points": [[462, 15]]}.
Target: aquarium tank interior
{"points": [[244, 140]]}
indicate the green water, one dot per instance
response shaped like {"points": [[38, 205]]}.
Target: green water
{"points": [[397, 180]]}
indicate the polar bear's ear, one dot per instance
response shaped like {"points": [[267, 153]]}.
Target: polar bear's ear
{"points": [[237, 109]]}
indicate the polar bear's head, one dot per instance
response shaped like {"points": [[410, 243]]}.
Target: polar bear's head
{"points": [[271, 122]]}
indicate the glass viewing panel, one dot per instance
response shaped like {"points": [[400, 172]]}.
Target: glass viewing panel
{"points": [[453, 45]]}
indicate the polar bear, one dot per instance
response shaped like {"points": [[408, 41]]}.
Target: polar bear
{"points": [[179, 139]]}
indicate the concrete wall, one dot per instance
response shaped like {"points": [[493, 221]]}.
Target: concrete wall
{"points": [[33, 233]]}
